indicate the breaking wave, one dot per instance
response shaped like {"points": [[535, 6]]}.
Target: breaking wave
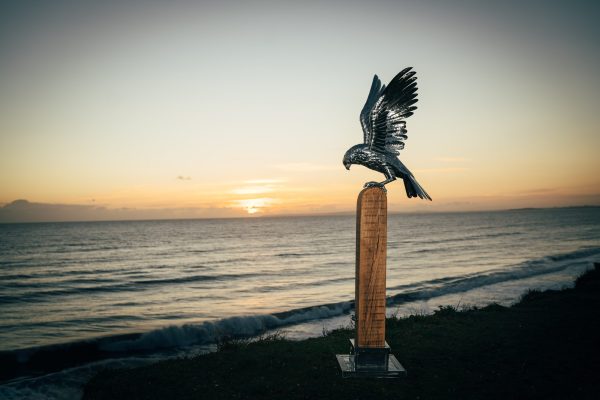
{"points": [[46, 359]]}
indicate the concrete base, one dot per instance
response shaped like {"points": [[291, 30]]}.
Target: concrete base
{"points": [[350, 369], [370, 362]]}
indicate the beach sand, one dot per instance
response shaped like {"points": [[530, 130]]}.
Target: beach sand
{"points": [[546, 346]]}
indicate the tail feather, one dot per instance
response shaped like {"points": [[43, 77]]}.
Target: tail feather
{"points": [[413, 189]]}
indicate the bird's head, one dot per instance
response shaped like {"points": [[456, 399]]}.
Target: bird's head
{"points": [[346, 160], [349, 158]]}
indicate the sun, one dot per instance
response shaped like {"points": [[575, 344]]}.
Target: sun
{"points": [[253, 206]]}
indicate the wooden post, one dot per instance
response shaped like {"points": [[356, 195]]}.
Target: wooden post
{"points": [[371, 246], [370, 355]]}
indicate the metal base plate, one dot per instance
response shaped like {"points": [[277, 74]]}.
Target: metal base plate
{"points": [[349, 369]]}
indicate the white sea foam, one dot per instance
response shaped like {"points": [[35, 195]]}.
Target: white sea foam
{"points": [[211, 331]]}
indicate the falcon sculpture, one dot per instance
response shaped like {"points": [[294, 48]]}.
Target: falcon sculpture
{"points": [[384, 128]]}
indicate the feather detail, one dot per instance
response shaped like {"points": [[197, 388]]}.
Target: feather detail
{"points": [[387, 107]]}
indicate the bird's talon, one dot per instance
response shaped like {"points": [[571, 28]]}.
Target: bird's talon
{"points": [[375, 184]]}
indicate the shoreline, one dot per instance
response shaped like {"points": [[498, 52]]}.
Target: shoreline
{"points": [[166, 341], [543, 346]]}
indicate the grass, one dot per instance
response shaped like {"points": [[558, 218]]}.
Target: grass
{"points": [[546, 346]]}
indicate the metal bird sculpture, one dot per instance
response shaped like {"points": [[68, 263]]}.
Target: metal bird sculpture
{"points": [[384, 127]]}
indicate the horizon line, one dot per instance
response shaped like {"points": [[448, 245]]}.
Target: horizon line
{"points": [[325, 214]]}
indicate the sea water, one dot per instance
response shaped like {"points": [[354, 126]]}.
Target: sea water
{"points": [[132, 292]]}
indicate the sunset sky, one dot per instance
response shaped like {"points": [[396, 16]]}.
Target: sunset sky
{"points": [[218, 109]]}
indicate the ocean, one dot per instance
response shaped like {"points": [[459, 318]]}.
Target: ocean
{"points": [[78, 297]]}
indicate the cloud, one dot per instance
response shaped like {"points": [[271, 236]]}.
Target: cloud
{"points": [[258, 186], [25, 211], [184, 178], [253, 206], [308, 167], [264, 181], [253, 190], [538, 191]]}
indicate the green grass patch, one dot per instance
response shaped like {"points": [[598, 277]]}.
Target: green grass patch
{"points": [[546, 346]]}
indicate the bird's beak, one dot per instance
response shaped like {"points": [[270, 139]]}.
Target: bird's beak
{"points": [[347, 165]]}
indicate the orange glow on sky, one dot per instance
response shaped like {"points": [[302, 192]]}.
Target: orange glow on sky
{"points": [[196, 110]]}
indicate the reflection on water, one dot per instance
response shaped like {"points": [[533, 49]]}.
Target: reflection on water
{"points": [[61, 282]]}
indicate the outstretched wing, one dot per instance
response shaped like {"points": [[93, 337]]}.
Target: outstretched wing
{"points": [[365, 115], [388, 112]]}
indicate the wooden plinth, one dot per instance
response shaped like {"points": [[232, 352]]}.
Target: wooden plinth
{"points": [[371, 245]]}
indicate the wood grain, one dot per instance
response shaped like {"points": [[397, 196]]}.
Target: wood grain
{"points": [[371, 246]]}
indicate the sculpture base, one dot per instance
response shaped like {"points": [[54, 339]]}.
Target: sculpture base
{"points": [[370, 363]]}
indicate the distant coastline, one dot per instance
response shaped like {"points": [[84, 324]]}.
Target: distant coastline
{"points": [[25, 212]]}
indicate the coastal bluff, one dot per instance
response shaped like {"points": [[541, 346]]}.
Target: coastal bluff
{"points": [[545, 346]]}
